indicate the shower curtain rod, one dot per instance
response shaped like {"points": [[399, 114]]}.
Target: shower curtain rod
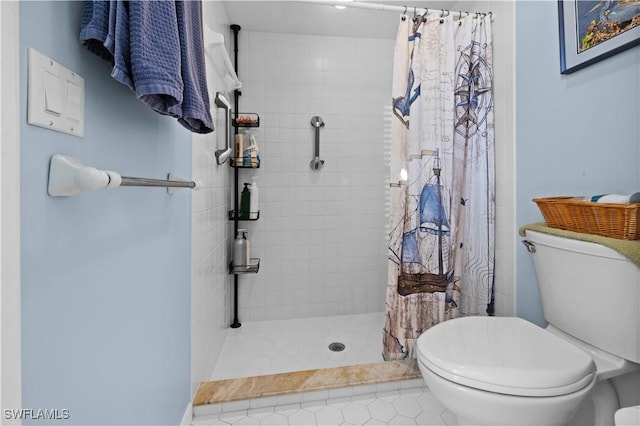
{"points": [[390, 8]]}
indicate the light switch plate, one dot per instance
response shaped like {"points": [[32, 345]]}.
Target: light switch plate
{"points": [[55, 96]]}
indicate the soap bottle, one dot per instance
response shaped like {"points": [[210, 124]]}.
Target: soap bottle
{"points": [[240, 249], [254, 197], [245, 202]]}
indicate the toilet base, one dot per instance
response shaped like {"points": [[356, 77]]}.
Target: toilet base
{"points": [[476, 407], [608, 396]]}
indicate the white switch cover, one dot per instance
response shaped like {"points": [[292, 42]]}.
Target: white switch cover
{"points": [[56, 96]]}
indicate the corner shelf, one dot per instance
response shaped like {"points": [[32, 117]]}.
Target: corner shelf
{"points": [[242, 121], [232, 216], [251, 268]]}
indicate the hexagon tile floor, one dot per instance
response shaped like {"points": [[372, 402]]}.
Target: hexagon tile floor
{"points": [[403, 407]]}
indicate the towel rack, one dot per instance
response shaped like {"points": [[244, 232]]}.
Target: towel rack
{"points": [[68, 176]]}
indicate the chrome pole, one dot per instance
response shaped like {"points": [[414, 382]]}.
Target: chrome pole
{"points": [[161, 183]]}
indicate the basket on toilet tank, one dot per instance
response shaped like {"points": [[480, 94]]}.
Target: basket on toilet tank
{"points": [[607, 219]]}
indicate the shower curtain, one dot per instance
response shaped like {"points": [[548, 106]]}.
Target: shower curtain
{"points": [[442, 219]]}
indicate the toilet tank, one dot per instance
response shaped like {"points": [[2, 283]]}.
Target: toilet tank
{"points": [[589, 291]]}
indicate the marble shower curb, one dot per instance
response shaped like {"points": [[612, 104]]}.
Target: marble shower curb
{"points": [[297, 387]]}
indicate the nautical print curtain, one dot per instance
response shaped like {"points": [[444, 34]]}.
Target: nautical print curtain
{"points": [[441, 242]]}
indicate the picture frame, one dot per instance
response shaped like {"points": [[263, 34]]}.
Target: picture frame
{"points": [[590, 31]]}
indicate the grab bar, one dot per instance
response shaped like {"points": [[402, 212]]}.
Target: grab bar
{"points": [[316, 162], [222, 102], [68, 176]]}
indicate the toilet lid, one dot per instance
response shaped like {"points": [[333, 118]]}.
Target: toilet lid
{"points": [[504, 355]]}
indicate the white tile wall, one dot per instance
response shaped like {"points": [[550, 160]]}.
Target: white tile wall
{"points": [[210, 230], [321, 234]]}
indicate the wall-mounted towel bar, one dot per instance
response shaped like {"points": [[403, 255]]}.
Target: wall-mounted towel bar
{"points": [[68, 176]]}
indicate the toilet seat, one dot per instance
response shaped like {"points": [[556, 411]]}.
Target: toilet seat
{"points": [[504, 355]]}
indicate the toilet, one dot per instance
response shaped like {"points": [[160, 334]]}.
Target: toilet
{"points": [[508, 371]]}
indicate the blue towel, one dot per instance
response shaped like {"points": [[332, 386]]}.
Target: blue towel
{"points": [[157, 50]]}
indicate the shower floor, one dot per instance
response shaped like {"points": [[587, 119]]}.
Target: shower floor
{"points": [[270, 347]]}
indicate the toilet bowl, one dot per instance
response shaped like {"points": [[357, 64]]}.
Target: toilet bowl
{"points": [[504, 371], [507, 371]]}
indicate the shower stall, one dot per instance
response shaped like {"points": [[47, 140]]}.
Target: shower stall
{"points": [[322, 234]]}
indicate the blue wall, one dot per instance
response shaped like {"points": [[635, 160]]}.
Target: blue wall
{"points": [[576, 133], [105, 275]]}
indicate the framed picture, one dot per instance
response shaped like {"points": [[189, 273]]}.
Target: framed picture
{"points": [[592, 30]]}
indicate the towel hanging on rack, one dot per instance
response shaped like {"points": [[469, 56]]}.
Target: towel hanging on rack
{"points": [[157, 50]]}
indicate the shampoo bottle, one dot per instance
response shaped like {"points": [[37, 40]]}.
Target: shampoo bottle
{"points": [[239, 148], [240, 249], [245, 202], [255, 152], [253, 203]]}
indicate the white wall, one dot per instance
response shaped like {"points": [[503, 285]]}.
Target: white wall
{"points": [[321, 234], [210, 229]]}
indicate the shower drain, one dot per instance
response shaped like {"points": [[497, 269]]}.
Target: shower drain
{"points": [[336, 347]]}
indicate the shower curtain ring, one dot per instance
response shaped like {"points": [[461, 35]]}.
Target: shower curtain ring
{"points": [[404, 14], [442, 13]]}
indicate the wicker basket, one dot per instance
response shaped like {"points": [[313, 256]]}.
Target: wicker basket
{"points": [[606, 219]]}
